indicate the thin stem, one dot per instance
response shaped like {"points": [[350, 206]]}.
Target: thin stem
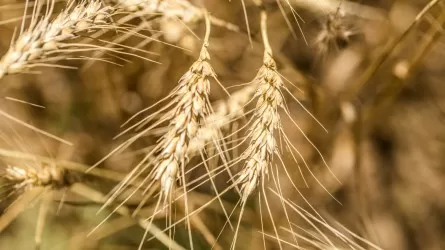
{"points": [[267, 47], [208, 27]]}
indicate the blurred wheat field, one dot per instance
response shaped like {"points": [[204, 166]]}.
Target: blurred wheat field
{"points": [[243, 124]]}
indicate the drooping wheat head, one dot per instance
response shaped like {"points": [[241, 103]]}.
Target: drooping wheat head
{"points": [[262, 147], [47, 40], [264, 125], [28, 177], [192, 107], [263, 155], [187, 108]]}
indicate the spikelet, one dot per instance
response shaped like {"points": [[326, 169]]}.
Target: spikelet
{"points": [[45, 41]]}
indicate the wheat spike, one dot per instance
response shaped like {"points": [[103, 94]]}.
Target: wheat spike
{"points": [[262, 147], [191, 109], [45, 175], [264, 125], [45, 41]]}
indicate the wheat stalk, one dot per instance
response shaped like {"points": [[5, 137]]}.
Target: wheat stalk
{"points": [[45, 40]]}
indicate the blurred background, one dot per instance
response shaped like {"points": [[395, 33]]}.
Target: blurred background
{"points": [[383, 106]]}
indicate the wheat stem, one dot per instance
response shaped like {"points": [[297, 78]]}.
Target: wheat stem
{"points": [[267, 47]]}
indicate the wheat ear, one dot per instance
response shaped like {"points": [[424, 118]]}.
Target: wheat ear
{"points": [[264, 125], [28, 177], [191, 109], [262, 147], [45, 41], [186, 111], [32, 182]]}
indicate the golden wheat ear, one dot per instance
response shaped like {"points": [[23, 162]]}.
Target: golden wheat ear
{"points": [[165, 165], [32, 183], [263, 157], [47, 41], [43, 176], [264, 124], [191, 106]]}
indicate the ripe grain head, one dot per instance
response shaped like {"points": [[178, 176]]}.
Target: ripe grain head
{"points": [[28, 177], [46, 41], [266, 121]]}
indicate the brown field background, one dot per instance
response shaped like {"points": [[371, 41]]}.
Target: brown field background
{"points": [[385, 144]]}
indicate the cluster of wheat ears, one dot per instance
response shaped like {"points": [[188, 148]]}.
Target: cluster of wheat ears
{"points": [[192, 133]]}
